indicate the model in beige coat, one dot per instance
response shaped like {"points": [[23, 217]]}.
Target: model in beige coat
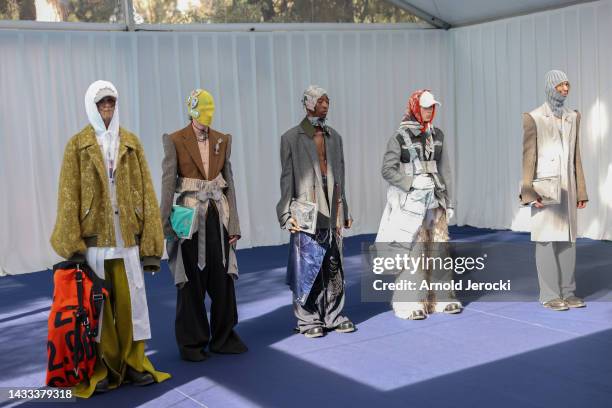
{"points": [[551, 147]]}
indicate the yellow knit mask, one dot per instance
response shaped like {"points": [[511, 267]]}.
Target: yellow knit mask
{"points": [[201, 106]]}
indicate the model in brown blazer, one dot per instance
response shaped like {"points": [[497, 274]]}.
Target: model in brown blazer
{"points": [[206, 262]]}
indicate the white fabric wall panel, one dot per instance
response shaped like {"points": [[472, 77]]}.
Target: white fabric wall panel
{"points": [[499, 73], [257, 80]]}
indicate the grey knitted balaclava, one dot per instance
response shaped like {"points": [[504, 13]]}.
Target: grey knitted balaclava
{"points": [[554, 99]]}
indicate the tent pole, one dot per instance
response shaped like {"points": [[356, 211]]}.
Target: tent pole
{"points": [[431, 19]]}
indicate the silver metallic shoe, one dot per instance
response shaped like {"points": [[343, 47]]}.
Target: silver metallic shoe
{"points": [[418, 314], [452, 308], [557, 304], [574, 302], [314, 332]]}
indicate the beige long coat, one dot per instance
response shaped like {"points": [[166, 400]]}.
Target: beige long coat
{"points": [[546, 152]]}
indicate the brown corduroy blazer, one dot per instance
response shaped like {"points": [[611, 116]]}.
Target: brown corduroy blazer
{"points": [[182, 159]]}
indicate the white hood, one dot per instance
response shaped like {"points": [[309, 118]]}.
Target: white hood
{"points": [[108, 139]]}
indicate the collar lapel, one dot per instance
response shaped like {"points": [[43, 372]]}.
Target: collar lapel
{"points": [[90, 143], [124, 144], [330, 154], [191, 143], [307, 131], [568, 123], [213, 159], [307, 127], [551, 123]]}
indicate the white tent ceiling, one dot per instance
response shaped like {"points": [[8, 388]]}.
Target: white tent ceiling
{"points": [[464, 12], [437, 13]]}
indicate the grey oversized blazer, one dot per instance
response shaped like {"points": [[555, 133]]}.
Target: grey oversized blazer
{"points": [[301, 175]]}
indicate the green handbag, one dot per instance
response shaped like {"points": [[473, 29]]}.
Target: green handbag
{"points": [[183, 220]]}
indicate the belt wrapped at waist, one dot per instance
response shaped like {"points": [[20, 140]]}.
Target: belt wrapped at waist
{"points": [[430, 167], [196, 193], [426, 166]]}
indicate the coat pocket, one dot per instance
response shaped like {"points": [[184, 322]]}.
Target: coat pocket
{"points": [[548, 166], [139, 218], [137, 203], [413, 202], [86, 204]]}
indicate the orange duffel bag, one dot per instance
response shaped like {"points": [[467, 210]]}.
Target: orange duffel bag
{"points": [[78, 297]]}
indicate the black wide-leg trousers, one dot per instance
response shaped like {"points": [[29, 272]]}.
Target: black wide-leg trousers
{"points": [[192, 329]]}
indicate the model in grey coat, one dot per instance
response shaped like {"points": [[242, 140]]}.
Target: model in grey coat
{"points": [[312, 161]]}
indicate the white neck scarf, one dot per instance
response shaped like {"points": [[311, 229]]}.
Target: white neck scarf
{"points": [[415, 127]]}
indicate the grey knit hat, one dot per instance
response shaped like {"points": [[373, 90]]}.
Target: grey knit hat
{"points": [[554, 99]]}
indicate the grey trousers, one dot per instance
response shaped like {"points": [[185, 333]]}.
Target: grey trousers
{"points": [[556, 264], [326, 299]]}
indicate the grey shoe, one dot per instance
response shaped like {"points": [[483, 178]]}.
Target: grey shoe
{"points": [[418, 314], [346, 327], [574, 302], [314, 332], [452, 308], [557, 304]]}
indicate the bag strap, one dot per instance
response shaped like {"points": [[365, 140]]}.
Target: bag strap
{"points": [[78, 320], [400, 139], [100, 287], [97, 302], [404, 153], [65, 265]]}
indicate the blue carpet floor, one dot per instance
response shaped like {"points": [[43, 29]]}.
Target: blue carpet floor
{"points": [[494, 354]]}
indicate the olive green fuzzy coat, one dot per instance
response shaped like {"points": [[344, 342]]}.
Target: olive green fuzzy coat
{"points": [[84, 211]]}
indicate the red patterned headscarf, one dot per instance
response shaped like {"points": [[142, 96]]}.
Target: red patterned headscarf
{"points": [[413, 109]]}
